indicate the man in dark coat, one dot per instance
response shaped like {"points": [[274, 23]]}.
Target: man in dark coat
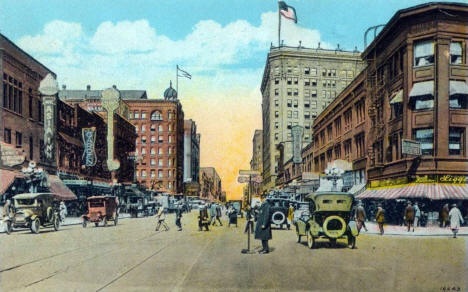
{"points": [[263, 226], [409, 216], [178, 222], [203, 219]]}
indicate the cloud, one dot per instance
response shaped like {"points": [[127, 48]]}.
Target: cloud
{"points": [[57, 37]]}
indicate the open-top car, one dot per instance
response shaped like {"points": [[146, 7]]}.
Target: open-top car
{"points": [[101, 209], [330, 217], [32, 210]]}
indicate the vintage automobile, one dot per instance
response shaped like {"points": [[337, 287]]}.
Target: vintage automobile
{"points": [[32, 210], [279, 211], [330, 217], [101, 209], [136, 206]]}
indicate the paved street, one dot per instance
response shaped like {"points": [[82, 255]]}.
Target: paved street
{"points": [[133, 257]]}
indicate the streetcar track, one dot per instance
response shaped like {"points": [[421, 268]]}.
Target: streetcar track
{"points": [[132, 268]]}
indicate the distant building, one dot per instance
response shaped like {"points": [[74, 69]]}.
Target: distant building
{"points": [[256, 163], [191, 159], [210, 184], [298, 83]]}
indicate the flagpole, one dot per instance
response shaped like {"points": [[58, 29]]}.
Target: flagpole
{"points": [[279, 26]]}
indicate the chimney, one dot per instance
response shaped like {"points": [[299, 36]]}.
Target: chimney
{"points": [[88, 87], [64, 87]]}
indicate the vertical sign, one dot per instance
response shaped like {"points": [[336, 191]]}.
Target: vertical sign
{"points": [[89, 141], [110, 102], [49, 89], [297, 132]]}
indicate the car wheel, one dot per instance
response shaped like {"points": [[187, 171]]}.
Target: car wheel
{"points": [[56, 222], [85, 223], [8, 227], [310, 240], [351, 241], [104, 222], [35, 225], [278, 218]]}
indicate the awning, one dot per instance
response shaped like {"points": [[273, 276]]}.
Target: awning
{"points": [[60, 190], [71, 140], [7, 177], [424, 191], [458, 87], [397, 97], [356, 189], [422, 88]]}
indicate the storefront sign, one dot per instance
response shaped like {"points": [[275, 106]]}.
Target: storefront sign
{"points": [[297, 132], [110, 102], [410, 147], [89, 140], [421, 179], [10, 156], [49, 88]]}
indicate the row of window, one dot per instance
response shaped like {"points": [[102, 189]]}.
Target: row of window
{"points": [[155, 116], [19, 141], [152, 151], [153, 139], [424, 53], [314, 71], [142, 128], [307, 93], [13, 97], [170, 162], [306, 136]]}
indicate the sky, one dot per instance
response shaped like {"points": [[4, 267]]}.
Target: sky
{"points": [[223, 44]]}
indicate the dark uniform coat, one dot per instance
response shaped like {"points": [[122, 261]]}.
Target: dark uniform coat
{"points": [[263, 219], [409, 213]]}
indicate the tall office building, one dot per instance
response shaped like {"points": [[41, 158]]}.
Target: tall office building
{"points": [[298, 83]]}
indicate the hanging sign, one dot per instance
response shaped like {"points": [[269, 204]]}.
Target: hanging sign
{"points": [[297, 132], [89, 141]]}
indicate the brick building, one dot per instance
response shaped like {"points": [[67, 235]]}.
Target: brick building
{"points": [[159, 124], [298, 83], [210, 184], [414, 88]]}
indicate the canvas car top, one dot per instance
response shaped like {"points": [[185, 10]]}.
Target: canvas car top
{"points": [[99, 197], [32, 195]]}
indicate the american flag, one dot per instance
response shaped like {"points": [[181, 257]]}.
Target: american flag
{"points": [[287, 11]]}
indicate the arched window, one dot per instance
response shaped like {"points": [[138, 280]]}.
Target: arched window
{"points": [[156, 116]]}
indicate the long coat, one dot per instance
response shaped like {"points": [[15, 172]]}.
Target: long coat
{"points": [[212, 210], [409, 213], [360, 213], [455, 218], [263, 219], [380, 216]]}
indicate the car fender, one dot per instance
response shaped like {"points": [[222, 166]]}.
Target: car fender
{"points": [[352, 226], [301, 227], [314, 227]]}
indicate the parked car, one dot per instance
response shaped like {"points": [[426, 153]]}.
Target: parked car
{"points": [[329, 218], [279, 211], [32, 210], [101, 209]]}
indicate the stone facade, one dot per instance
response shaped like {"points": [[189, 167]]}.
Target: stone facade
{"points": [[298, 83], [256, 163], [210, 184]]}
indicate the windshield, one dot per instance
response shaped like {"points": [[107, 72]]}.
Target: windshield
{"points": [[25, 201]]}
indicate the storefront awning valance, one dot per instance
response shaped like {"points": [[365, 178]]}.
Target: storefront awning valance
{"points": [[7, 177], [458, 87], [423, 191], [397, 97], [422, 88], [60, 190]]}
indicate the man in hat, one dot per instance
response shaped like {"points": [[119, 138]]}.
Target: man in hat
{"points": [[203, 220], [443, 215], [409, 215], [380, 218], [455, 219], [263, 226], [360, 216]]}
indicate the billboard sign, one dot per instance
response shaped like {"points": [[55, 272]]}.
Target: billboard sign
{"points": [[410, 147]]}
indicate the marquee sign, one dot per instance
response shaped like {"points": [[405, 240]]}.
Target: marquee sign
{"points": [[89, 142], [297, 132], [110, 102]]}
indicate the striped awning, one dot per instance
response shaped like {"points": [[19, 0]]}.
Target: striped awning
{"points": [[428, 191]]}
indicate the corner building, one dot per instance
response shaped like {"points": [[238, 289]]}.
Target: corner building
{"points": [[159, 124], [415, 88], [298, 83]]}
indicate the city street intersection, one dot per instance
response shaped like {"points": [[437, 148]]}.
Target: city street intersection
{"points": [[133, 257]]}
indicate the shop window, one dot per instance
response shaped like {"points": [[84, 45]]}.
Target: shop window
{"points": [[456, 138], [456, 53], [426, 138], [423, 53]]}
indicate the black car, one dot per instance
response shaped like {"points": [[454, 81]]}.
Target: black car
{"points": [[279, 212]]}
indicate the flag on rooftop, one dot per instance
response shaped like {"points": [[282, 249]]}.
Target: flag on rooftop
{"points": [[287, 11], [183, 73]]}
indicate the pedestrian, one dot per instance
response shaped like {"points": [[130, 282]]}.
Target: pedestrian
{"points": [[218, 214], [178, 221], [263, 226], [409, 215], [232, 214], [203, 220], [161, 217], [456, 219], [380, 218], [360, 217], [7, 209], [212, 213], [290, 215], [443, 216], [417, 215], [63, 211]]}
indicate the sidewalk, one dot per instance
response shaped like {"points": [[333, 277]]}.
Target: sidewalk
{"points": [[69, 221], [418, 231]]}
